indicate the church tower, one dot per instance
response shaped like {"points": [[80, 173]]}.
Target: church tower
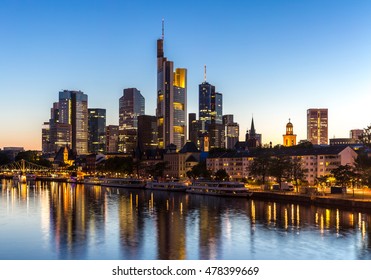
{"points": [[289, 139]]}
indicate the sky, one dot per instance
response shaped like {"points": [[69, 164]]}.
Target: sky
{"points": [[271, 60]]}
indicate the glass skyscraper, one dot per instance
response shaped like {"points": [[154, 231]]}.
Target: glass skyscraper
{"points": [[97, 130], [317, 126], [171, 109], [73, 110], [131, 105]]}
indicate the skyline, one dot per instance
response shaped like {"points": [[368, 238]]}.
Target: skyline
{"points": [[266, 58]]}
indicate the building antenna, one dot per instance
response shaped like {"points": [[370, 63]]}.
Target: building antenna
{"points": [[205, 73], [163, 28]]}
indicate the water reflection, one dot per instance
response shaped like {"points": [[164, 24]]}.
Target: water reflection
{"points": [[73, 221]]}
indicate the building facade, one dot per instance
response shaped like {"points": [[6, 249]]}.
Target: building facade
{"points": [[317, 126], [97, 130], [147, 132], [73, 110], [131, 105], [289, 139], [171, 108], [112, 138]]}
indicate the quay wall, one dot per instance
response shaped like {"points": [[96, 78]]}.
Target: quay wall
{"points": [[347, 203]]}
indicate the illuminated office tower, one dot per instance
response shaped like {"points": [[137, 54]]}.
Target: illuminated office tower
{"points": [[232, 131], [317, 126], [130, 107], [73, 110], [211, 113], [97, 130], [112, 138], [171, 108], [147, 132]]}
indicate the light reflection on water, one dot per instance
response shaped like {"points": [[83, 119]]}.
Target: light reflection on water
{"points": [[66, 221]]}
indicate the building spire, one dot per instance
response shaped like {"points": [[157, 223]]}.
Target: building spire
{"points": [[205, 73], [163, 28]]}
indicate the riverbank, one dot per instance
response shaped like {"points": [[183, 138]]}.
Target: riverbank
{"points": [[348, 201]]}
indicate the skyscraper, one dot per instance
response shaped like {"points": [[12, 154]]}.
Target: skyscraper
{"points": [[147, 132], [73, 110], [112, 138], [131, 105], [211, 113], [317, 126], [97, 130], [171, 109]]}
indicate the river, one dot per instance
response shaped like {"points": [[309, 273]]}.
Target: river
{"points": [[50, 220]]}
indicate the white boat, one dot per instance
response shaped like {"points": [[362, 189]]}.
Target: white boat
{"points": [[92, 181], [124, 183], [219, 188], [167, 186]]}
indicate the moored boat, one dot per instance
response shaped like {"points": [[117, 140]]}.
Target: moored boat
{"points": [[167, 186], [124, 183], [92, 181], [219, 188]]}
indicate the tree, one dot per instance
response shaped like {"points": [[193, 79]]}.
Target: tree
{"points": [[119, 165], [199, 170], [4, 159], [157, 170], [279, 167], [366, 136], [296, 170], [260, 167], [344, 175], [221, 175]]}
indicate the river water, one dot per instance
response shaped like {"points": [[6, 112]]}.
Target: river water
{"points": [[50, 220]]}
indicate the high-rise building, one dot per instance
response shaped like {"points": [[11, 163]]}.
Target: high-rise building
{"points": [[130, 107], [317, 126], [112, 138], [45, 138], [97, 130], [147, 132], [211, 113], [60, 134], [73, 110], [289, 139], [232, 131], [171, 109], [356, 134]]}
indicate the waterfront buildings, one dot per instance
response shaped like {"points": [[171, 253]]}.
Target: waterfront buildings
{"points": [[97, 130], [232, 131], [316, 161], [317, 126], [171, 108], [73, 110], [147, 132], [289, 139], [112, 138], [131, 105]]}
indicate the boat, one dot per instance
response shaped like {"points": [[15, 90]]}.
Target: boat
{"points": [[92, 181], [167, 186], [124, 183], [19, 178], [219, 188]]}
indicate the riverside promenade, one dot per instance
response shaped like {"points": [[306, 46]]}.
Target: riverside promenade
{"points": [[352, 199]]}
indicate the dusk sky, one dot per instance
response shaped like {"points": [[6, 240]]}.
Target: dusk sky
{"points": [[272, 60]]}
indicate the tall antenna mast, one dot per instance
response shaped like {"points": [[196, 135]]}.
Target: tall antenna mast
{"points": [[163, 29], [205, 73]]}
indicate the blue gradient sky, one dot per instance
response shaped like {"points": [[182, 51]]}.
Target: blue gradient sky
{"points": [[270, 59]]}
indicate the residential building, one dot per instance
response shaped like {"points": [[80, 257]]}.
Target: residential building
{"points": [[317, 126], [316, 162], [97, 130], [356, 134], [130, 107]]}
